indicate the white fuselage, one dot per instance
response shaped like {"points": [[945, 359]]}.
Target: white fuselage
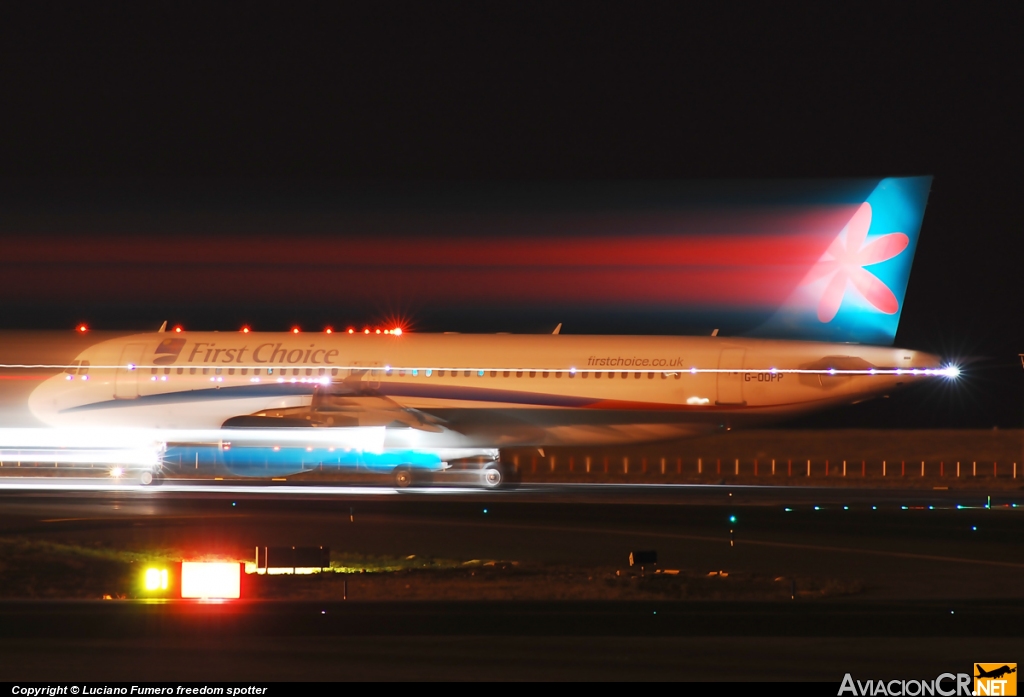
{"points": [[448, 389]]}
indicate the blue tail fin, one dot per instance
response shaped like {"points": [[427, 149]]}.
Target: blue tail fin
{"points": [[855, 292]]}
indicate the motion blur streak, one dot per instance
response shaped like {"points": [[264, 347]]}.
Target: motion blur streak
{"points": [[670, 246]]}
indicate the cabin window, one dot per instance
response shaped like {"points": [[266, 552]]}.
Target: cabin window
{"points": [[270, 371], [466, 373], [533, 373], [245, 371], [167, 371], [638, 375], [231, 371], [506, 373], [180, 371], [479, 373], [309, 371], [519, 373], [218, 371], [584, 374], [206, 371], [321, 371], [415, 371], [429, 372], [401, 372], [677, 375], [191, 371], [295, 371], [440, 373], [152, 371], [544, 374], [334, 371], [494, 373], [664, 375], [558, 373], [572, 373], [597, 374]]}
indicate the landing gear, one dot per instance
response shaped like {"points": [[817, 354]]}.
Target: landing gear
{"points": [[403, 477], [149, 478], [492, 477]]}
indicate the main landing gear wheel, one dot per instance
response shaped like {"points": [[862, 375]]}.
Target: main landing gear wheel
{"points": [[403, 478], [492, 477], [146, 478]]}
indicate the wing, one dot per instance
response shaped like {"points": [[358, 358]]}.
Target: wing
{"points": [[348, 403]]}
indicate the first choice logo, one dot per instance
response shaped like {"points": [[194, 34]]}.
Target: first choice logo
{"points": [[208, 352]]}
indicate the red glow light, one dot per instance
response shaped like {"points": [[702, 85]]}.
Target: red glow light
{"points": [[397, 331], [245, 330], [177, 329], [295, 330], [366, 331], [82, 329], [210, 580], [329, 330], [378, 331], [351, 331]]}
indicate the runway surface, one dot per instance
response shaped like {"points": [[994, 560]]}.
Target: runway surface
{"points": [[940, 571]]}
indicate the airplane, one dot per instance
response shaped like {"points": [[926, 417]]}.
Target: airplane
{"points": [[408, 403], [995, 672]]}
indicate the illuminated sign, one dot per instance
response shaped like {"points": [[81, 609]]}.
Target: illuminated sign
{"points": [[211, 580]]}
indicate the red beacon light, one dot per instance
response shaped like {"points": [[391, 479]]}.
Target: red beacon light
{"points": [[178, 329], [245, 330], [295, 330], [82, 328], [366, 331], [397, 331], [328, 331]]}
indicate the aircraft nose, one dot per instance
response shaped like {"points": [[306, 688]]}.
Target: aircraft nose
{"points": [[43, 402]]}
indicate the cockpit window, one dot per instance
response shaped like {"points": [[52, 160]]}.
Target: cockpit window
{"points": [[73, 368]]}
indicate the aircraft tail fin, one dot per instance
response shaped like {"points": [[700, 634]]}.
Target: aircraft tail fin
{"points": [[855, 292]]}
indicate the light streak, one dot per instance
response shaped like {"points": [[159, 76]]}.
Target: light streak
{"points": [[948, 372]]}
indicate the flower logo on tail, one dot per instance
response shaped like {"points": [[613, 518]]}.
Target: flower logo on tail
{"points": [[845, 260]]}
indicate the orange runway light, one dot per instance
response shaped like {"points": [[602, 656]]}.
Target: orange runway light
{"points": [[211, 580]]}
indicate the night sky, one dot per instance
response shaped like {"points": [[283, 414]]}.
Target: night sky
{"points": [[236, 146]]}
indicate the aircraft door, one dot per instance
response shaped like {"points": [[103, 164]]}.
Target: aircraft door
{"points": [[126, 383], [730, 384]]}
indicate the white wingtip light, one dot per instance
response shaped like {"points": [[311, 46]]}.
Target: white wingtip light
{"points": [[951, 371]]}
